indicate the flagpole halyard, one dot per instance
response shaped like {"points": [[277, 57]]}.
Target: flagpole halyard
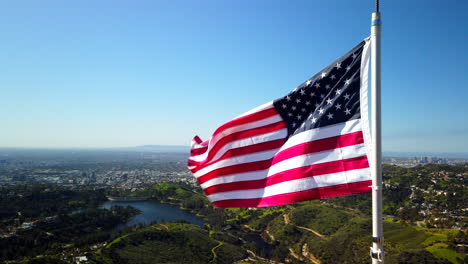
{"points": [[377, 251]]}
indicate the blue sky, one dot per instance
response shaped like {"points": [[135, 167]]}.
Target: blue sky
{"points": [[125, 73]]}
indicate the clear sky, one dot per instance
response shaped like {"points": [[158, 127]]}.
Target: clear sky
{"points": [[124, 73]]}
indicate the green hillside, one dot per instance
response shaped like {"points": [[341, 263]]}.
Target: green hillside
{"points": [[336, 230], [317, 232], [169, 243]]}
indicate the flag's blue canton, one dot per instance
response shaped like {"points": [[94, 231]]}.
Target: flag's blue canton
{"points": [[331, 96]]}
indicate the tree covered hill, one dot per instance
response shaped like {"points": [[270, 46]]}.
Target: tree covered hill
{"points": [[425, 222], [169, 243], [433, 195], [338, 230]]}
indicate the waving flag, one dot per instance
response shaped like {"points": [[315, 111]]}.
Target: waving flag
{"points": [[310, 144]]}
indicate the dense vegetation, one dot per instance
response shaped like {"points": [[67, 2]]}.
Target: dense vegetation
{"points": [[433, 193], [33, 201], [343, 223], [342, 227], [317, 230], [425, 223], [169, 243], [65, 231]]}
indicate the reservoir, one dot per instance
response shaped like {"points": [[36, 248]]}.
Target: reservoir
{"points": [[153, 211]]}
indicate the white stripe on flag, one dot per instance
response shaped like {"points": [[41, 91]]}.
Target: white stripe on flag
{"points": [[306, 136], [258, 156], [292, 163], [323, 132], [246, 176], [296, 185], [229, 131], [320, 157], [279, 134]]}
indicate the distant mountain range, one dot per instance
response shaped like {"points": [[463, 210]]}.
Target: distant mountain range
{"points": [[452, 155], [186, 149], [176, 148], [161, 148]]}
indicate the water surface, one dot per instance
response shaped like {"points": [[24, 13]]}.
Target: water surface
{"points": [[153, 211]]}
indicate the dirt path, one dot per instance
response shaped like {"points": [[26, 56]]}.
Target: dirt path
{"points": [[213, 250], [305, 251], [250, 228], [296, 256], [256, 257], [287, 221], [272, 238], [312, 231], [310, 256]]}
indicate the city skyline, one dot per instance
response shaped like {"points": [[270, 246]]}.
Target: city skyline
{"points": [[119, 74]]}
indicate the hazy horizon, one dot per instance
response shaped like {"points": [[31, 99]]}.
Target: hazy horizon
{"points": [[111, 74], [186, 149]]}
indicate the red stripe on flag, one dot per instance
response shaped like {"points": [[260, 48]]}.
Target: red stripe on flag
{"points": [[247, 119], [265, 146], [308, 148], [198, 151], [319, 145], [293, 174], [237, 136], [197, 140], [239, 168], [294, 197]]}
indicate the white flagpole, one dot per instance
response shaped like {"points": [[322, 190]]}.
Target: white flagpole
{"points": [[377, 252]]}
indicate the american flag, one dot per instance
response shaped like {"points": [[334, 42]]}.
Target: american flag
{"points": [[310, 144]]}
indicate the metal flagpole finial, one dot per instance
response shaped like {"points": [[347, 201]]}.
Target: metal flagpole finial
{"points": [[377, 6]]}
